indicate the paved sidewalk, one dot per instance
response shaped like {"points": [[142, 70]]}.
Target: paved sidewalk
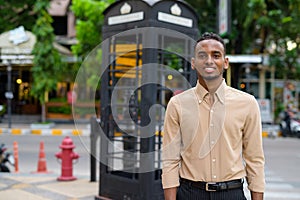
{"points": [[45, 187]]}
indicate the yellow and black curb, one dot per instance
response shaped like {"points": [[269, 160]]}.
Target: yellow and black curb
{"points": [[273, 134], [271, 131], [47, 132], [86, 132]]}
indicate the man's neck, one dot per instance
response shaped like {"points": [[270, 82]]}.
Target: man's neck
{"points": [[210, 85]]}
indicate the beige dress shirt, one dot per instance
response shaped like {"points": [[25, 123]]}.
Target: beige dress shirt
{"points": [[213, 143]]}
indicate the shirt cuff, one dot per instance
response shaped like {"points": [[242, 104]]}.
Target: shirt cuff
{"points": [[256, 184], [170, 180]]}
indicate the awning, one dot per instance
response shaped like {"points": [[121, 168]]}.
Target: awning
{"points": [[16, 46], [15, 49]]}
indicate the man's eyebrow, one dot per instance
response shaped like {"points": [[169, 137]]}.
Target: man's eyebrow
{"points": [[214, 52], [219, 52], [201, 52]]}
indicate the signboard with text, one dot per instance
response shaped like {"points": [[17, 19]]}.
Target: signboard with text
{"points": [[224, 13], [265, 110]]}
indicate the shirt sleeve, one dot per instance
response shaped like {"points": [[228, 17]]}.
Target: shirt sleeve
{"points": [[171, 146], [253, 149]]}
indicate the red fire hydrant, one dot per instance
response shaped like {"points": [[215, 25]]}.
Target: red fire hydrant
{"points": [[67, 156]]}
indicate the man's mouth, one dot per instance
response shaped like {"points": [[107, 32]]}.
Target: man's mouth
{"points": [[209, 69]]}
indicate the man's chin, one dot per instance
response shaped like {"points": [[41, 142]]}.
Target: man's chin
{"points": [[210, 78]]}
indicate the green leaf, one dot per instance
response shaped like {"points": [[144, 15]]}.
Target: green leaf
{"points": [[286, 19]]}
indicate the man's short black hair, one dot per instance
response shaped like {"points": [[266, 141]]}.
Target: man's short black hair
{"points": [[211, 36]]}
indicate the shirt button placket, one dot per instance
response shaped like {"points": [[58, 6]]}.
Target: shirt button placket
{"points": [[213, 164], [212, 143]]}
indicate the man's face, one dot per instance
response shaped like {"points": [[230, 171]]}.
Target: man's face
{"points": [[209, 60]]}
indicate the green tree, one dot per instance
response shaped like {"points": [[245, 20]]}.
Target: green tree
{"points": [[15, 13], [47, 63], [207, 13], [272, 29], [89, 21], [283, 40]]}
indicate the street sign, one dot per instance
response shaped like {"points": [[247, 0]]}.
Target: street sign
{"points": [[224, 16], [265, 110]]}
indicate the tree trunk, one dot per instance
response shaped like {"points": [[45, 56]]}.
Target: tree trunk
{"points": [[46, 98], [43, 112]]}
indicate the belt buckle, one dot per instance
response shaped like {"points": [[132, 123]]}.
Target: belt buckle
{"points": [[207, 187]]}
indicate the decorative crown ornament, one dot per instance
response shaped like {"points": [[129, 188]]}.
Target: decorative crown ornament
{"points": [[125, 9], [175, 10]]}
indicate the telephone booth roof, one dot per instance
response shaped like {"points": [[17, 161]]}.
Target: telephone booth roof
{"points": [[128, 14], [149, 2]]}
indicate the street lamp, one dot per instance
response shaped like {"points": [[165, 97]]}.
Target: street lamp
{"points": [[9, 95]]}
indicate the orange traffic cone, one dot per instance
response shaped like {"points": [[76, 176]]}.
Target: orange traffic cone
{"points": [[16, 156], [42, 166]]}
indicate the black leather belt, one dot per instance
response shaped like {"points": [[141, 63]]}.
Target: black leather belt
{"points": [[214, 187]]}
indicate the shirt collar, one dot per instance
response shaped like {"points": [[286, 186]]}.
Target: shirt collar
{"points": [[201, 92]]}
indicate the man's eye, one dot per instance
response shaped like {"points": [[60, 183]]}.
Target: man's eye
{"points": [[202, 56], [217, 56]]}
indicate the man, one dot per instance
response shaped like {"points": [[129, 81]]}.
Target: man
{"points": [[287, 118], [212, 134]]}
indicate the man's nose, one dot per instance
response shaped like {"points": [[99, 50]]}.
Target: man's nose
{"points": [[209, 59]]}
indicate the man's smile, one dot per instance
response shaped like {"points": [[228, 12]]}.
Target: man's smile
{"points": [[209, 69]]}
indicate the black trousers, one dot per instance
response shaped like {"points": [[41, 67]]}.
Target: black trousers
{"points": [[188, 192]]}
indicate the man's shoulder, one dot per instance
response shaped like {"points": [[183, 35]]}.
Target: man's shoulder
{"points": [[238, 93], [184, 93]]}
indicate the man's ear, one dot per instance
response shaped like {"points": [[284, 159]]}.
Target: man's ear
{"points": [[193, 63], [226, 63]]}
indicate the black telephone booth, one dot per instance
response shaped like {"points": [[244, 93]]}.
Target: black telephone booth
{"points": [[147, 53]]}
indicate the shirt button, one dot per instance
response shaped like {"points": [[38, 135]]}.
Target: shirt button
{"points": [[211, 111], [214, 160], [211, 124], [200, 101], [214, 176], [212, 142]]}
